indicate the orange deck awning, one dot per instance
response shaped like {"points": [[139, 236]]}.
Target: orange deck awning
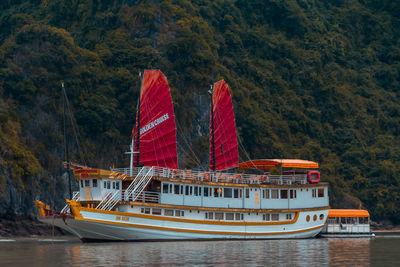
{"points": [[266, 164], [348, 213]]}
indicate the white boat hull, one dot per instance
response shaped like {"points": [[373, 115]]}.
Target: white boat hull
{"points": [[111, 226]]}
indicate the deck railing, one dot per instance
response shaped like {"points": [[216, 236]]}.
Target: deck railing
{"points": [[75, 197], [221, 177], [145, 196]]}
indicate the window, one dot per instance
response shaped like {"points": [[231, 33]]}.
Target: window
{"points": [[176, 189], [156, 211], [108, 185], [320, 192], [314, 193], [210, 215], [266, 193], [105, 185], [113, 185], [216, 192], [284, 194], [145, 210], [179, 213], [237, 216], [187, 190], [219, 215], [240, 194], [94, 182], [170, 188], [191, 190], [228, 193], [229, 216], [293, 193], [117, 185], [169, 212], [266, 217], [274, 193], [247, 193], [87, 183], [82, 183], [275, 217], [235, 193], [165, 188], [288, 216], [206, 191], [196, 188], [181, 189]]}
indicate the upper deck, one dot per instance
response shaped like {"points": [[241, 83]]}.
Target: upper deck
{"points": [[287, 178]]}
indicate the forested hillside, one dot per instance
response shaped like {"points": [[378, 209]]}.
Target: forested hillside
{"points": [[317, 80]]}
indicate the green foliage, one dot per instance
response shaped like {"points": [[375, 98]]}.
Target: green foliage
{"points": [[317, 80]]}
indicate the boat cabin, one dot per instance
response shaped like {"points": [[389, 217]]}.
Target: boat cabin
{"points": [[97, 184], [347, 223]]}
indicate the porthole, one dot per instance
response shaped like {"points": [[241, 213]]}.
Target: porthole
{"points": [[321, 217], [308, 218], [315, 217]]}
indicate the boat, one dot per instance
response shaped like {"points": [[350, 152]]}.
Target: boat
{"points": [[153, 199], [345, 223]]}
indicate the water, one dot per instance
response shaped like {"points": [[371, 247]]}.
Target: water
{"points": [[381, 251]]}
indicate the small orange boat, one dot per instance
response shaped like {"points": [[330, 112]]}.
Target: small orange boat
{"points": [[347, 223]]}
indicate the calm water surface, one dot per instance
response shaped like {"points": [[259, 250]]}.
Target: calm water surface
{"points": [[381, 251]]}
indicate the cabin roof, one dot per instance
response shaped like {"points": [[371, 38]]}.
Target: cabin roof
{"points": [[89, 173], [348, 213], [266, 164]]}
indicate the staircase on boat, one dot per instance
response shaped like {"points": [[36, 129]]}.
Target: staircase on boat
{"points": [[134, 190], [75, 197]]}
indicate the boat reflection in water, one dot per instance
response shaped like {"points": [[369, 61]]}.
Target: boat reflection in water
{"points": [[311, 252], [349, 252], [380, 251]]}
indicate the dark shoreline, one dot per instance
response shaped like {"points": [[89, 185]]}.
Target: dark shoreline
{"points": [[27, 226]]}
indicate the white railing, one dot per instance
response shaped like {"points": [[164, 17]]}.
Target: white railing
{"points": [[138, 184], [104, 201], [114, 199], [75, 197], [222, 177], [146, 196]]}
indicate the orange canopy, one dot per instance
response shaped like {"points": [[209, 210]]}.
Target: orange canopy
{"points": [[348, 213], [266, 164]]}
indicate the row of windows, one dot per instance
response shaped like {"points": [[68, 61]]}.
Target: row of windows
{"points": [[167, 212], [86, 183], [318, 192], [190, 190], [106, 184], [229, 216], [348, 220]]}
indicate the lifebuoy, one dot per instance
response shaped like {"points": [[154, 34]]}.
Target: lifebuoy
{"points": [[313, 177], [264, 179]]}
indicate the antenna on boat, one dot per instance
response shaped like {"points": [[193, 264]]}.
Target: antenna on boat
{"points": [[66, 140], [211, 92], [137, 127]]}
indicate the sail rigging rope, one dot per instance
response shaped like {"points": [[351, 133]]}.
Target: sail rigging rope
{"points": [[185, 139], [74, 128]]}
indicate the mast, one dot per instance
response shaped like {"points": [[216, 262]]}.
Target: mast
{"points": [[138, 122], [66, 141], [212, 125]]}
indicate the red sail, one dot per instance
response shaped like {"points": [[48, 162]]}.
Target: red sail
{"points": [[226, 146], [157, 145]]}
